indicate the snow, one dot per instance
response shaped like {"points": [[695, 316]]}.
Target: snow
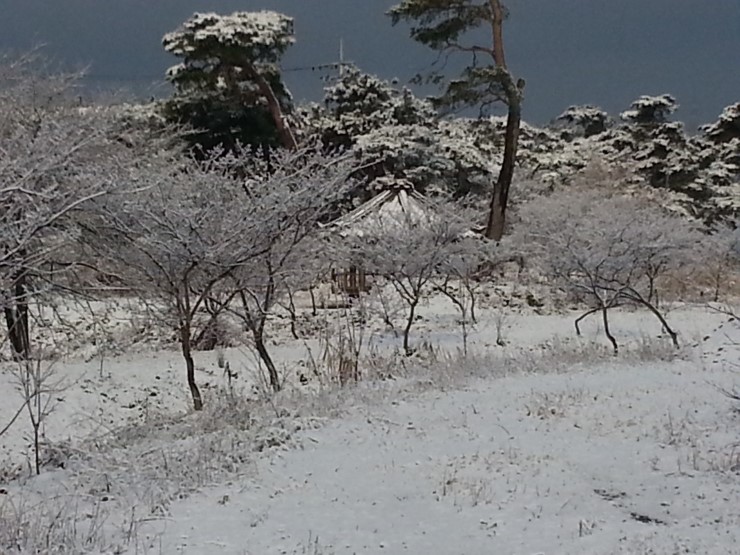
{"points": [[478, 471], [727, 127], [386, 212], [650, 109], [532, 441], [263, 29], [546, 445]]}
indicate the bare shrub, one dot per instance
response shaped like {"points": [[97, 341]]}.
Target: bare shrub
{"points": [[312, 547], [116, 482], [407, 246], [290, 196], [467, 264], [40, 387], [608, 250], [183, 232], [500, 322], [389, 306], [60, 524], [544, 406], [551, 357], [722, 256], [341, 345]]}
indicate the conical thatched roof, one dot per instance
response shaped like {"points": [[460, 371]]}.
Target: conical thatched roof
{"points": [[391, 209]]}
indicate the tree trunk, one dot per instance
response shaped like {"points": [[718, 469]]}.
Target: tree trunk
{"points": [[497, 30], [37, 444], [653, 308], [259, 344], [407, 330], [21, 293], [16, 318], [583, 317], [11, 321], [273, 104], [500, 196], [514, 91], [187, 354], [607, 331]]}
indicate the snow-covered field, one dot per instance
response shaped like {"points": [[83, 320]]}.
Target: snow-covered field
{"points": [[546, 445], [620, 459]]}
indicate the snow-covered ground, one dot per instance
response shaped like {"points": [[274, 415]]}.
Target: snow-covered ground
{"points": [[618, 459], [547, 445]]}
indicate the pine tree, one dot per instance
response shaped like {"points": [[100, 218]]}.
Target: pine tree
{"points": [[228, 85], [443, 25]]}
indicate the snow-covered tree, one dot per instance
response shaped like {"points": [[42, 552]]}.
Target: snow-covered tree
{"points": [[468, 262], [409, 247], [443, 25], [696, 169], [650, 110], [358, 103], [398, 137], [55, 158], [693, 175], [723, 137], [726, 128], [197, 234], [301, 189], [586, 121], [228, 86], [444, 158], [176, 239], [607, 249]]}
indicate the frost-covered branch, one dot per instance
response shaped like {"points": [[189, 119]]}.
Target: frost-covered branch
{"points": [[608, 250], [57, 158]]}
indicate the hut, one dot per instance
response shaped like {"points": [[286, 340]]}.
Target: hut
{"points": [[397, 205]]}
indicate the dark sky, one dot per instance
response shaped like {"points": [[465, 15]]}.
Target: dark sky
{"points": [[604, 52]]}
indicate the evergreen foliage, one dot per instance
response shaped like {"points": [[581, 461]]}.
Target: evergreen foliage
{"points": [[219, 85]]}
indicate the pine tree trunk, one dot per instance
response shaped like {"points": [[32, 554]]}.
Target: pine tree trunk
{"points": [[500, 197], [514, 91], [273, 104]]}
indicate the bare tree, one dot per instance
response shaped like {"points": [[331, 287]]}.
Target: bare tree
{"points": [[608, 250], [408, 248], [55, 158], [468, 264], [188, 227], [300, 190], [225, 232]]}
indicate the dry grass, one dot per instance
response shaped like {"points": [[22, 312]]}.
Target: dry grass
{"points": [[544, 406], [700, 284], [63, 524]]}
